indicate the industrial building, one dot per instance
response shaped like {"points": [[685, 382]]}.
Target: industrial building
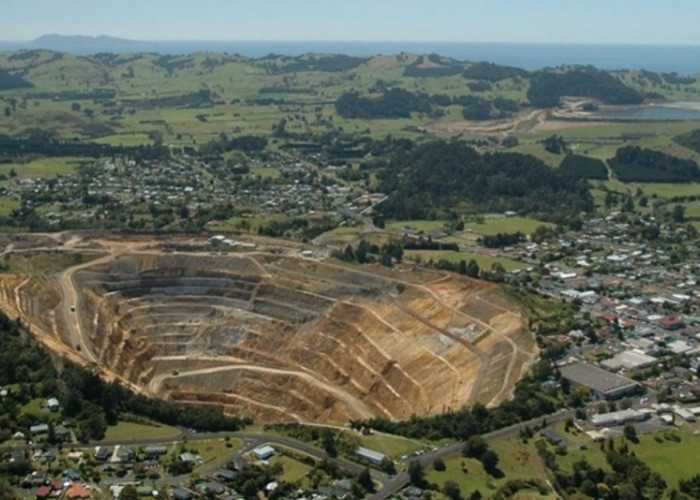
{"points": [[684, 413], [373, 457], [619, 417], [629, 360], [602, 383], [263, 452]]}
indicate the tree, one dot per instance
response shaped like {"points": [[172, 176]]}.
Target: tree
{"points": [[678, 214], [439, 464], [475, 447], [630, 433], [387, 466], [364, 479], [462, 267], [473, 269], [451, 490], [329, 444], [416, 474], [129, 493], [51, 438], [490, 461]]}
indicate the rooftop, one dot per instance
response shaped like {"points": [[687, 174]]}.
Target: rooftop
{"points": [[596, 378]]}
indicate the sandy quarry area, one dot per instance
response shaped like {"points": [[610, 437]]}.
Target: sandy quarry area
{"points": [[266, 328]]}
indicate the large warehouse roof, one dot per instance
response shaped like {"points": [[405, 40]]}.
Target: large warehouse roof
{"points": [[597, 379]]}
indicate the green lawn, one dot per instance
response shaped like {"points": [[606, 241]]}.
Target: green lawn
{"points": [[506, 225], [214, 449], [266, 172], [129, 430], [392, 446], [670, 190], [672, 460], [341, 235], [537, 150], [417, 225], [128, 139], [484, 261], [35, 407], [237, 223], [293, 470], [516, 460], [44, 167], [7, 206], [692, 209]]}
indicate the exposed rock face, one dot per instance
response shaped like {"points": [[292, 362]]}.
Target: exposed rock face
{"points": [[281, 338]]}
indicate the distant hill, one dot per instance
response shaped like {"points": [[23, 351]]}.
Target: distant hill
{"points": [[84, 45]]}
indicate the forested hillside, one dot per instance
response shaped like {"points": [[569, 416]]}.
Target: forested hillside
{"points": [[435, 177], [546, 87]]}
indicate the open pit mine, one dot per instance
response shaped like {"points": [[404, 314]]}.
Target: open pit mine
{"points": [[268, 329]]}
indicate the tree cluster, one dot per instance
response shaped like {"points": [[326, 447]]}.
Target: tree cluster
{"points": [[476, 447], [331, 63], [393, 103], [368, 253], [438, 176], [634, 164], [8, 81], [39, 142], [501, 240], [492, 72], [583, 167], [477, 108]]}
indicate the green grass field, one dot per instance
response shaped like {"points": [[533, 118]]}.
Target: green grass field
{"points": [[417, 225], [484, 261], [537, 150], [127, 139], [129, 430], [670, 190], [36, 408], [341, 235], [506, 225], [293, 470], [214, 449], [516, 460], [266, 172], [392, 446], [44, 167], [8, 205], [673, 460]]}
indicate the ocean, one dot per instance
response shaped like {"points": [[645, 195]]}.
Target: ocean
{"points": [[530, 56]]}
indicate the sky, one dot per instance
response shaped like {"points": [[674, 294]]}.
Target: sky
{"points": [[653, 22]]}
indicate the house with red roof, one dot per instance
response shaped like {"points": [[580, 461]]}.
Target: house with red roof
{"points": [[78, 491]]}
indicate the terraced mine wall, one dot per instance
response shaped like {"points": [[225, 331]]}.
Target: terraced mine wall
{"points": [[280, 338]]}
